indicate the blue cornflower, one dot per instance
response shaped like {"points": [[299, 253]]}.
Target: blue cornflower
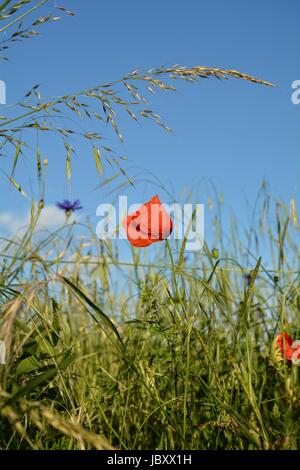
{"points": [[69, 206]]}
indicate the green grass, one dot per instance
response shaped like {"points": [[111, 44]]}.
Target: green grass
{"points": [[165, 351]]}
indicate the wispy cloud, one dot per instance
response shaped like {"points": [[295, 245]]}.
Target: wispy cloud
{"points": [[50, 218]]}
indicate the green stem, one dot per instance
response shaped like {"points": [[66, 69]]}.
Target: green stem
{"points": [[186, 384], [22, 16], [173, 269], [19, 117], [189, 326]]}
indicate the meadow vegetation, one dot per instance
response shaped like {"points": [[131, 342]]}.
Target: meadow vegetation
{"points": [[164, 350], [168, 351]]}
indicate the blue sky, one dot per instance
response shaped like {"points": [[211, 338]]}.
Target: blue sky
{"points": [[234, 133]]}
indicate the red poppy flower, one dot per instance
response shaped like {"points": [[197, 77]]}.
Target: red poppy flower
{"points": [[287, 346], [149, 224]]}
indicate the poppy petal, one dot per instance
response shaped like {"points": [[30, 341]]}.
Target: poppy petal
{"points": [[284, 343], [149, 224]]}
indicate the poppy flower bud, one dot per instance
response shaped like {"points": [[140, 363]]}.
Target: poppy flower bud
{"points": [[41, 204]]}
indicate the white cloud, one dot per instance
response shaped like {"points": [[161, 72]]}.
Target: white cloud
{"points": [[51, 217]]}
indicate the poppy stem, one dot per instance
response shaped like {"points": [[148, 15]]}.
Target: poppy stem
{"points": [[176, 288], [187, 342], [173, 269]]}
